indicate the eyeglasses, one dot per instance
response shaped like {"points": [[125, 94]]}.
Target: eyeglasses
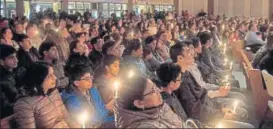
{"points": [[151, 92], [154, 90], [87, 78]]}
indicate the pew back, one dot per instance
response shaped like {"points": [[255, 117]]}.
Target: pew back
{"points": [[268, 79]]}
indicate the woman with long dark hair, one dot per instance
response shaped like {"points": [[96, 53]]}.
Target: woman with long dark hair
{"points": [[40, 104]]}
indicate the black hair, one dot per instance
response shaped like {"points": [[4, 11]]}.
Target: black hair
{"points": [[106, 46], [95, 40], [34, 78], [176, 50], [149, 40], [195, 41], [109, 59], [73, 45], [45, 46], [146, 51], [132, 90], [78, 35], [187, 42], [77, 71], [106, 38], [133, 45], [204, 37], [5, 51], [22, 37], [3, 31], [168, 72]]}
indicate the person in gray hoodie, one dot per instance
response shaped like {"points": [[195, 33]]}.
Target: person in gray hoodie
{"points": [[140, 105]]}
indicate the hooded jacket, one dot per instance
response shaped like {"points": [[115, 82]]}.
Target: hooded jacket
{"points": [[160, 117], [75, 102]]}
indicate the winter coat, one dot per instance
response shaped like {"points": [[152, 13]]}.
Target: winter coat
{"points": [[59, 73], [96, 57], [42, 111], [160, 117], [8, 92], [195, 100], [75, 102], [27, 58], [76, 59]]}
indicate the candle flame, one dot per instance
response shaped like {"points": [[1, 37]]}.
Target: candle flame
{"points": [[131, 74]]}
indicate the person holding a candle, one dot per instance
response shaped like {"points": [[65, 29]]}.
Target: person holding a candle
{"points": [[82, 96], [170, 76], [195, 99]]}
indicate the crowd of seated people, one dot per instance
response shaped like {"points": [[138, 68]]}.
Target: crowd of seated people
{"points": [[128, 72]]}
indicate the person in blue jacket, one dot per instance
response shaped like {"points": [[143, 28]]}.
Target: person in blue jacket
{"points": [[80, 96]]}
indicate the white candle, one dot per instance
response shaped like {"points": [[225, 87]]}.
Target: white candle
{"points": [[235, 106], [231, 64], [226, 60], [226, 79], [116, 86], [225, 49], [131, 73], [83, 118]]}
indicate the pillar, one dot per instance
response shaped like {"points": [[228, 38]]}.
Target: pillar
{"points": [[64, 5], [130, 6], [210, 7], [178, 7], [20, 10], [271, 10]]}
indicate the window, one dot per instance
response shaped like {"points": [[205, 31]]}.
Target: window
{"points": [[79, 5], [94, 6], [71, 5], [111, 6], [124, 6], [118, 6], [86, 5], [105, 6]]}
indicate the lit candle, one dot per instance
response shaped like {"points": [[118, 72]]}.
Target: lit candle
{"points": [[226, 60], [219, 125], [83, 118], [235, 106], [231, 64], [227, 85], [116, 85], [225, 49], [131, 73], [36, 32]]}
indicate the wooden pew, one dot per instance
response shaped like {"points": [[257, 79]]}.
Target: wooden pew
{"points": [[255, 83], [237, 46], [246, 66]]}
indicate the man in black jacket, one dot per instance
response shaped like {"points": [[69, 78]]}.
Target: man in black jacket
{"points": [[8, 62], [96, 55]]}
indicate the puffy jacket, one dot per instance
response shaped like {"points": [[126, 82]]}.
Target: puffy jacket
{"points": [[75, 102], [161, 117], [42, 111]]}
